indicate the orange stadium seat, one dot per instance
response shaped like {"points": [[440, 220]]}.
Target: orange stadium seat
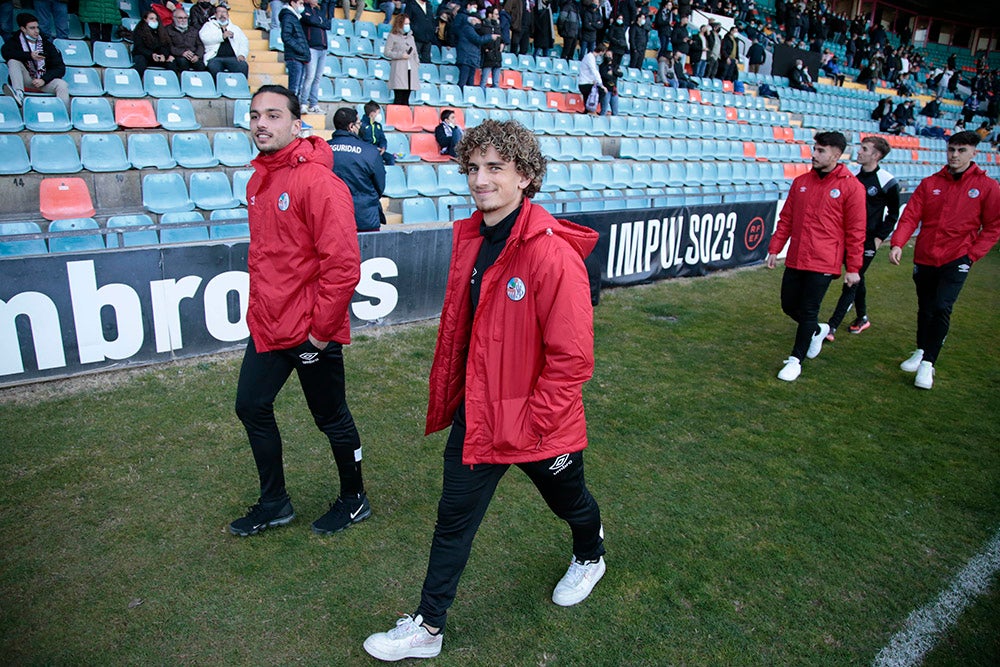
{"points": [[426, 148], [135, 114], [63, 198]]}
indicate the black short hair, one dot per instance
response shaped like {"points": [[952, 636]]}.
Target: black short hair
{"points": [[344, 118], [966, 138], [26, 18], [371, 106], [831, 140], [293, 100], [447, 113]]}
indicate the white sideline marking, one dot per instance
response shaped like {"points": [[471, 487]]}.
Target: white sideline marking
{"points": [[925, 625]]}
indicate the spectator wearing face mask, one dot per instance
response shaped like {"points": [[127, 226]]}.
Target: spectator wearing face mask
{"points": [[569, 27], [638, 37], [544, 32], [150, 46], [492, 59], [372, 132], [185, 44], [404, 68], [297, 54], [617, 40], [226, 45], [468, 44], [591, 22]]}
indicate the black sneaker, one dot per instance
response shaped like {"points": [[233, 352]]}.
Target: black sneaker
{"points": [[342, 514], [261, 516]]}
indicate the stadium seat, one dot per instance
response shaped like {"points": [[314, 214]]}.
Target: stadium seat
{"points": [[341, 28], [549, 147], [427, 95], [562, 123], [211, 190], [235, 230], [165, 193], [83, 82], [54, 154], [427, 118], [171, 234], [661, 149], [423, 179], [580, 176], [425, 146], [451, 95], [15, 159], [365, 29], [233, 85], [570, 201], [76, 29], [349, 90], [240, 180], [150, 150], [354, 68], [80, 243], [46, 114], [492, 97], [449, 74], [376, 90], [499, 115], [398, 145], [362, 47], [570, 148], [135, 114], [126, 239], [399, 117], [198, 85], [325, 93], [16, 248], [161, 83], [232, 149], [10, 115], [103, 153], [557, 178], [64, 198], [542, 122], [192, 150], [380, 69], [418, 210], [93, 114], [241, 114], [454, 207], [75, 53], [621, 176], [111, 54], [395, 183], [123, 83], [450, 178]]}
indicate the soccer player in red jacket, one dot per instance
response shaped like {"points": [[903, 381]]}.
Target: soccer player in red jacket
{"points": [[508, 381], [958, 209]]}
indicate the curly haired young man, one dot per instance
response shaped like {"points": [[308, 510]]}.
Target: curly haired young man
{"points": [[509, 382]]}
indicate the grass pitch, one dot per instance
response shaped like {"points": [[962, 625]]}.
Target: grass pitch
{"points": [[749, 521]]}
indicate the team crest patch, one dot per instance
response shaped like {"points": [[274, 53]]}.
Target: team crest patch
{"points": [[283, 201], [872, 191], [515, 289], [802, 188], [973, 193], [835, 193]]}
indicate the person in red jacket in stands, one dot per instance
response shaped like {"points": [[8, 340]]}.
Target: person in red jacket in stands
{"points": [[958, 210], [509, 381], [304, 264], [824, 220]]}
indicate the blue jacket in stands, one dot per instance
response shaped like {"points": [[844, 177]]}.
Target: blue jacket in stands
{"points": [[315, 25], [373, 133], [468, 41], [293, 37], [359, 165]]}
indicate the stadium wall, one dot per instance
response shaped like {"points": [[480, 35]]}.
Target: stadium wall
{"points": [[70, 314]]}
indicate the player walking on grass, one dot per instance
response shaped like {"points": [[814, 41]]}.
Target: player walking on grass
{"points": [[824, 222], [958, 210], [882, 205], [304, 263], [514, 347]]}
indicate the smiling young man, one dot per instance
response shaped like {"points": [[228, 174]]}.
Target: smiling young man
{"points": [[304, 264], [509, 380], [958, 210], [824, 222]]}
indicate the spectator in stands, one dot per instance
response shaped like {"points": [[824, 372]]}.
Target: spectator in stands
{"points": [[883, 114], [469, 43], [730, 55], [882, 211], [526, 20], [699, 51], [201, 13], [52, 17], [297, 53], [372, 132], [101, 17], [755, 56], [358, 164], [610, 73], [448, 133], [422, 24], [824, 217], [933, 108], [7, 26], [569, 27], [902, 117], [590, 71], [304, 264], [591, 23], [33, 62], [833, 71], [683, 80], [665, 67], [798, 78], [618, 40], [505, 37], [638, 38], [903, 86], [679, 38], [542, 29], [389, 8], [714, 38], [970, 108], [150, 46], [226, 45], [958, 210], [185, 44], [404, 68], [492, 59], [944, 82], [315, 25], [274, 7], [359, 9]]}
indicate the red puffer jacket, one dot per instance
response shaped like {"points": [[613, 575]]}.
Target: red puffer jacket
{"points": [[304, 259], [826, 219], [521, 364], [960, 217]]}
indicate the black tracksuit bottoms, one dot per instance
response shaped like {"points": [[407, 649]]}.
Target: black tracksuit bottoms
{"points": [[856, 294], [802, 293], [937, 290], [466, 493], [321, 374]]}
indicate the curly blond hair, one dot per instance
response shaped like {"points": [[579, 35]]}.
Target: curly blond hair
{"points": [[514, 142]]}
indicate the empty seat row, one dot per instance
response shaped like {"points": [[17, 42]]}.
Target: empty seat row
{"points": [[86, 82], [210, 191], [94, 114]]}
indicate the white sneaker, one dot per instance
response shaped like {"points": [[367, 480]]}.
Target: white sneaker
{"points": [[913, 363], [578, 581], [409, 639], [925, 375], [816, 345], [315, 109], [791, 371]]}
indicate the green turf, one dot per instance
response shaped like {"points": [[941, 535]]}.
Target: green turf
{"points": [[749, 521]]}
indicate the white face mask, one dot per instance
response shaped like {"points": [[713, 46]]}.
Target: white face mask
{"points": [[223, 23], [153, 25]]}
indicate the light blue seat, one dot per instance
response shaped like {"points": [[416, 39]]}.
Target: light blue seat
{"points": [[325, 93], [362, 47], [419, 209], [661, 149], [235, 230], [165, 193], [549, 147], [493, 97], [591, 201], [130, 239], [650, 126], [517, 99], [725, 173], [571, 149], [398, 144], [454, 207], [580, 175], [93, 114], [81, 243], [546, 201], [46, 114], [562, 123], [556, 177], [621, 176], [601, 173], [474, 117], [428, 95], [339, 45], [123, 83], [233, 85], [16, 248], [332, 67], [449, 177], [240, 180], [150, 150], [451, 95], [629, 149], [54, 154], [211, 190], [449, 56], [569, 201], [103, 153], [15, 156], [199, 85], [544, 123], [170, 234], [341, 28], [537, 101], [76, 29], [633, 126], [449, 74], [233, 149], [500, 115], [365, 29], [111, 54], [353, 68], [192, 150], [83, 82], [616, 126], [636, 198], [423, 179], [641, 173], [349, 90], [395, 183], [10, 115], [659, 175], [679, 149], [377, 91], [613, 200], [430, 73], [177, 115], [161, 83], [380, 69], [75, 52]]}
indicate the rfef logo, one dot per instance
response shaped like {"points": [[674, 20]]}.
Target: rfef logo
{"points": [[754, 233]]}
